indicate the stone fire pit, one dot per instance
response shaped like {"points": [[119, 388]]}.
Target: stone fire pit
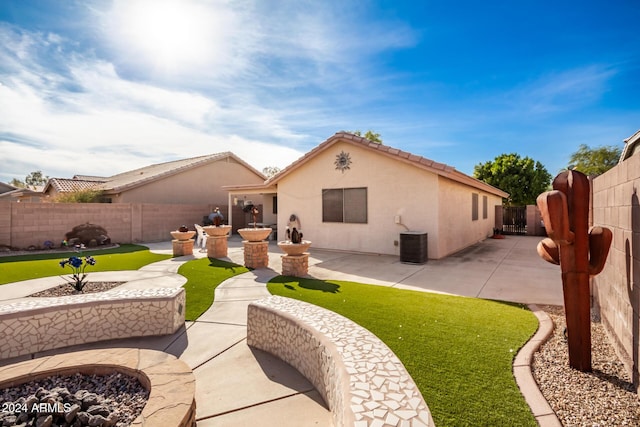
{"points": [[170, 381]]}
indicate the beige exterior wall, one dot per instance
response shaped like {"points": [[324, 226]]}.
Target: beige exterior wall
{"points": [[616, 291], [457, 228], [198, 185], [394, 188], [268, 217]]}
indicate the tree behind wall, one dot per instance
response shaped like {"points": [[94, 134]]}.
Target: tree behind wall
{"points": [[370, 135], [523, 178], [30, 181], [270, 171], [80, 196], [594, 161]]}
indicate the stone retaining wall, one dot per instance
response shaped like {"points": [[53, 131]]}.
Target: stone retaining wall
{"points": [[361, 380], [32, 325]]}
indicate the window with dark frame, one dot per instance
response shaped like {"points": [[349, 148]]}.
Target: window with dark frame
{"points": [[474, 206], [485, 207], [348, 205], [275, 205]]}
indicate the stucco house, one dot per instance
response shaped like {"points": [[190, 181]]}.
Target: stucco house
{"points": [[195, 180], [355, 195], [631, 146], [4, 187], [192, 181], [14, 194]]}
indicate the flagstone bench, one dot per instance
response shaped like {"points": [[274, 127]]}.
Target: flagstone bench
{"points": [[32, 325], [360, 379]]}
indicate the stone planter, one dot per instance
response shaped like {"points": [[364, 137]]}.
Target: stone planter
{"points": [[183, 235], [217, 246], [256, 249], [214, 231], [254, 234], [294, 248], [182, 242]]}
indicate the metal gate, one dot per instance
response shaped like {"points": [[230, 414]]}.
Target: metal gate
{"points": [[514, 220]]}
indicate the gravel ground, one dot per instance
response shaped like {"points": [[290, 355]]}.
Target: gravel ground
{"points": [[5, 251], [67, 289], [604, 397], [76, 400]]}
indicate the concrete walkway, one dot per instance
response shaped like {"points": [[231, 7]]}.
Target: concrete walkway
{"points": [[239, 386]]}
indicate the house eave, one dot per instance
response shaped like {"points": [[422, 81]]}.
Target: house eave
{"points": [[251, 189], [414, 160]]}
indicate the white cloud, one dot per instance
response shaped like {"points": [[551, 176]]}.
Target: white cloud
{"points": [[257, 80], [565, 90]]}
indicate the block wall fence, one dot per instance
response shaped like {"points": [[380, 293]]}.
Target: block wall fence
{"points": [[534, 220], [616, 291], [31, 224]]}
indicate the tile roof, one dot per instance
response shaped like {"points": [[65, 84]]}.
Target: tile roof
{"points": [[140, 176], [4, 187], [440, 169], [65, 185], [19, 192], [91, 178]]}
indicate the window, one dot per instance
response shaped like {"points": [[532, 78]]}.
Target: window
{"points": [[344, 205], [275, 205], [485, 207], [474, 206]]}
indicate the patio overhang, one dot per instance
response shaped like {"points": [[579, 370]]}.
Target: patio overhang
{"points": [[251, 189], [234, 191]]}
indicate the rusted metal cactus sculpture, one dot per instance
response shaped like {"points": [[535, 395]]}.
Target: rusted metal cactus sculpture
{"points": [[581, 252]]}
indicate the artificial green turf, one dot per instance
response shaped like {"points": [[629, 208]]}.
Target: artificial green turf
{"points": [[124, 257], [458, 350], [203, 276]]}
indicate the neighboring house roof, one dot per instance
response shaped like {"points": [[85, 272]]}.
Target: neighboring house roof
{"points": [[91, 178], [138, 177], [65, 185], [631, 146], [412, 159], [135, 178], [20, 192], [6, 187]]}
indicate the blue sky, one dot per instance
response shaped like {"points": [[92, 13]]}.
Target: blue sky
{"points": [[100, 87]]}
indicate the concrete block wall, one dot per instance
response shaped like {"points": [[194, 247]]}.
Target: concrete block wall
{"points": [[5, 222], [158, 220], [31, 224], [616, 291], [534, 221]]}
